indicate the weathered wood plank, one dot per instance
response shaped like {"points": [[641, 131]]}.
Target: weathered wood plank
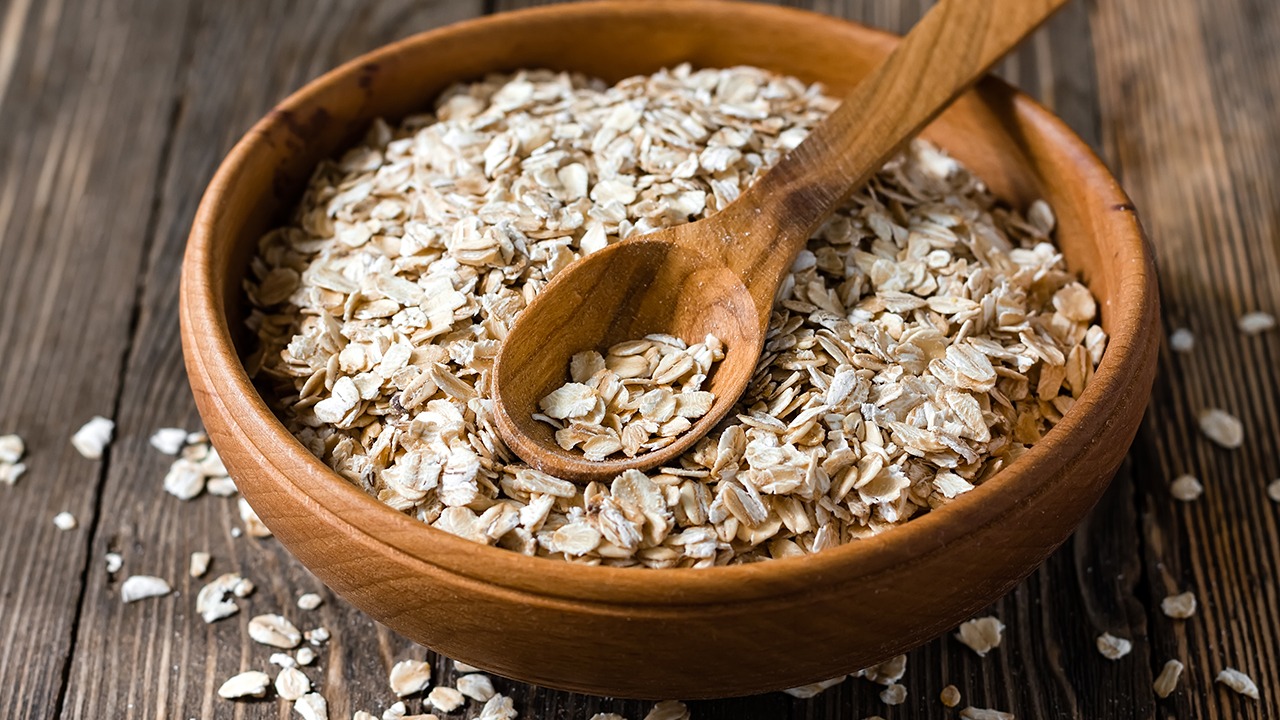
{"points": [[1187, 92], [157, 658], [85, 111]]}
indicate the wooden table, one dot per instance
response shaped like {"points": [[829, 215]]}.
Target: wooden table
{"points": [[114, 114]]}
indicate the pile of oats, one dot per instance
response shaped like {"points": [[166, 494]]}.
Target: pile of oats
{"points": [[638, 397], [925, 338]]}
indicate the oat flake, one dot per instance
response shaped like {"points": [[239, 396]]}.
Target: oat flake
{"points": [[1239, 682], [1112, 647], [1168, 679]]}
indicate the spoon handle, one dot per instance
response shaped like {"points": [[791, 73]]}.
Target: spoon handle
{"points": [[945, 53]]}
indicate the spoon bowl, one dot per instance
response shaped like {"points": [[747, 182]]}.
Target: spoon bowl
{"points": [[655, 284]]}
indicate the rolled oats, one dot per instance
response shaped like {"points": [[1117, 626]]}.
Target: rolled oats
{"points": [[1186, 488], [1221, 427], [973, 713], [1167, 680], [11, 472], [275, 631], [981, 634], [476, 686], [1180, 606], [114, 562], [169, 440], [93, 437], [950, 696], [636, 398], [212, 602], [409, 677], [292, 683], [140, 587], [445, 699], [894, 694], [1112, 647], [65, 521], [247, 684], [309, 601], [11, 449], [1254, 323], [1182, 340], [804, 692], [668, 710], [921, 342], [199, 564], [1238, 681], [312, 706], [1273, 490]]}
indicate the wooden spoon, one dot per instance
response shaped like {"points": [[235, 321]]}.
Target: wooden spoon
{"points": [[720, 275]]}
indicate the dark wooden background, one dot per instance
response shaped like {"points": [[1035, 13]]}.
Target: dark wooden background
{"points": [[113, 116]]}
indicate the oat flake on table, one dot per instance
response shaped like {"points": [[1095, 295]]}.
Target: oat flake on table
{"points": [[1186, 488], [924, 339], [1167, 680]]}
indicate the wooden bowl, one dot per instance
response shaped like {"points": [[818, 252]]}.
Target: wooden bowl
{"points": [[666, 633]]}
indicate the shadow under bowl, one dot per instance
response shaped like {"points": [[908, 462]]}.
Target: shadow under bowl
{"points": [[666, 633]]}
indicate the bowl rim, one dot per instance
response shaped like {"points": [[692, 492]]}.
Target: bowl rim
{"points": [[209, 350]]}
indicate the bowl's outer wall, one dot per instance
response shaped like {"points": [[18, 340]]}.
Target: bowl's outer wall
{"points": [[674, 633]]}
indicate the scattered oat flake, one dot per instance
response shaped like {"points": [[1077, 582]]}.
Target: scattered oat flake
{"points": [[1112, 647], [950, 696], [305, 656], [362, 715], [475, 686], [220, 486], [1182, 340], [981, 634], [1221, 427], [317, 636], [804, 692], [668, 710], [464, 668], [1167, 680], [141, 587], [895, 694], [283, 660], [247, 684], [395, 712], [93, 437], [607, 716], [973, 713], [212, 602], [185, 479], [252, 524], [114, 562], [11, 449], [169, 440], [1239, 682], [199, 564], [498, 707], [312, 706], [292, 683], [445, 699], [309, 601], [275, 631], [1180, 606], [11, 472], [65, 521], [1273, 491], [1186, 488], [1254, 323], [409, 677]]}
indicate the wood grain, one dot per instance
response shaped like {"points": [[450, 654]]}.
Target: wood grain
{"points": [[158, 659], [85, 111], [1197, 149], [1187, 88]]}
